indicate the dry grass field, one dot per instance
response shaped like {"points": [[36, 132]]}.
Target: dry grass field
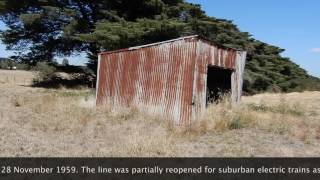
{"points": [[46, 122]]}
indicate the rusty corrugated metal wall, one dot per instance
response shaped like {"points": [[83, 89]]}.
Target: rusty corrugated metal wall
{"points": [[210, 55], [167, 77]]}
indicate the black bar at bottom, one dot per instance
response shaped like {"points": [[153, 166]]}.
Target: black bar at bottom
{"points": [[160, 168]]}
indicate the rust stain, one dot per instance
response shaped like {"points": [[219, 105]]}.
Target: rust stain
{"points": [[167, 77]]}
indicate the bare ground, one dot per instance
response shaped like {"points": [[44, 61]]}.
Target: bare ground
{"points": [[42, 122]]}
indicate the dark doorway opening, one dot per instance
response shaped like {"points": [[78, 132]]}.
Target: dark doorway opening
{"points": [[218, 83]]}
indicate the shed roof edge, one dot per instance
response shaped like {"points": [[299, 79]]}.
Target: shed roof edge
{"points": [[168, 41]]}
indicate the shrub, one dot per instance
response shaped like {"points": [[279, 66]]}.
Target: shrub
{"points": [[3, 64], [21, 66], [45, 71]]}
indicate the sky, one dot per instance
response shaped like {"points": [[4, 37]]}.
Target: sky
{"points": [[293, 25]]}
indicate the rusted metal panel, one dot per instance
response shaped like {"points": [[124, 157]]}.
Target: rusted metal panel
{"points": [[210, 55], [167, 77], [157, 76], [217, 56], [237, 76]]}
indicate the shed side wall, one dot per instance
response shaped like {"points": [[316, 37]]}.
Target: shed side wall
{"points": [[156, 78]]}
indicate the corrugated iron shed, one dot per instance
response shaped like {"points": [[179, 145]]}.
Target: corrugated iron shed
{"points": [[168, 77]]}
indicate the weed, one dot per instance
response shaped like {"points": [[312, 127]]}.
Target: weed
{"points": [[18, 101]]}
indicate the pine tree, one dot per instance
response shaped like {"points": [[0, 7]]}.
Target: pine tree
{"points": [[39, 30]]}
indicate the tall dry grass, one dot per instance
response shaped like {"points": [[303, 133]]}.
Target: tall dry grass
{"points": [[134, 133], [282, 117], [100, 131], [63, 122]]}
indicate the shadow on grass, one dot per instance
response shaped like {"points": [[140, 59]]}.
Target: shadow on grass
{"points": [[72, 77], [66, 83]]}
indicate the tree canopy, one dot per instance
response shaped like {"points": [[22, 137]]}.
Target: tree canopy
{"points": [[39, 30]]}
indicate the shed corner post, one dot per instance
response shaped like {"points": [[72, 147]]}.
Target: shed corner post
{"points": [[97, 81], [237, 77]]}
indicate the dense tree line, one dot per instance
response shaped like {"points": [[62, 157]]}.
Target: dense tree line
{"points": [[39, 30]]}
